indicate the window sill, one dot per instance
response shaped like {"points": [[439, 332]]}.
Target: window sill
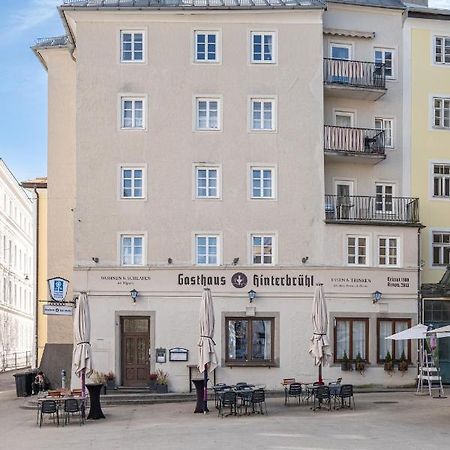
{"points": [[251, 364]]}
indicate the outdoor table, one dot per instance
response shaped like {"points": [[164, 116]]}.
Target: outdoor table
{"points": [[199, 387], [95, 411]]}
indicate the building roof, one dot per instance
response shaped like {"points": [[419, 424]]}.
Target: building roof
{"points": [[193, 4], [441, 289], [38, 183], [390, 4], [56, 41]]}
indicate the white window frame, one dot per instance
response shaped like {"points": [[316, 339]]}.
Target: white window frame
{"points": [[442, 62], [217, 236], [208, 99], [133, 98], [208, 168], [133, 236], [132, 61], [262, 100], [384, 121], [383, 194], [261, 168], [133, 168], [386, 256], [263, 235], [357, 255], [432, 233], [441, 177], [383, 50], [274, 59], [346, 45], [218, 55], [443, 101]]}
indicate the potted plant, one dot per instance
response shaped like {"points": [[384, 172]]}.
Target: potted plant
{"points": [[360, 364], [161, 381], [388, 363], [152, 381], [110, 379], [403, 363], [346, 364]]}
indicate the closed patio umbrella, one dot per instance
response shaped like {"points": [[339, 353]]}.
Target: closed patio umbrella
{"points": [[320, 346], [82, 356], [207, 354]]}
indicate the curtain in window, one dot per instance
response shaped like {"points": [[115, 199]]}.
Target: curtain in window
{"points": [[261, 339], [384, 345], [359, 339], [401, 346], [342, 338]]}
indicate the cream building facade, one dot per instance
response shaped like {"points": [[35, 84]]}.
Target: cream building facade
{"points": [[16, 272], [209, 146]]}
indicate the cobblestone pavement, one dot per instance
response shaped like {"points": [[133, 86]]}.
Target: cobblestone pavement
{"points": [[381, 421]]}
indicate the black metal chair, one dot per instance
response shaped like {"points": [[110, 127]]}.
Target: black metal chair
{"points": [[218, 388], [345, 396], [48, 407], [71, 408], [322, 396], [258, 399], [295, 391], [228, 399]]}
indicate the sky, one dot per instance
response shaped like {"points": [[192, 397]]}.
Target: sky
{"points": [[23, 83]]}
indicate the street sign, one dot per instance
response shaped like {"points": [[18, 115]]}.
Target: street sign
{"points": [[58, 288], [57, 310]]}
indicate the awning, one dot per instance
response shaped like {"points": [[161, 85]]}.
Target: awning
{"points": [[349, 33]]}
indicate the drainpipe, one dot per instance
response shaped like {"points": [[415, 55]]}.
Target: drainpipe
{"points": [[36, 311], [419, 279]]}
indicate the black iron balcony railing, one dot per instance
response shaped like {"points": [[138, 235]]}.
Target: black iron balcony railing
{"points": [[354, 73], [353, 140], [378, 208]]}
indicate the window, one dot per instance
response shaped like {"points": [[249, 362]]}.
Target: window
{"points": [[208, 114], [387, 327], [441, 180], [262, 182], [442, 50], [132, 182], [351, 336], [441, 248], [357, 250], [386, 57], [441, 112], [384, 195], [388, 251], [207, 179], [262, 114], [262, 249], [206, 250], [263, 47], [249, 341], [132, 113], [131, 46], [131, 250], [387, 126], [206, 46]]}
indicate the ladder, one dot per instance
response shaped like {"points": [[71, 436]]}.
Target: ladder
{"points": [[429, 373]]}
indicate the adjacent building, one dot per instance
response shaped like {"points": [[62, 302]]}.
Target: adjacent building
{"points": [[17, 299], [194, 146]]}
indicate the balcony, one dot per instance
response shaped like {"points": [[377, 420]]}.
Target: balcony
{"points": [[354, 79], [364, 209], [363, 145]]}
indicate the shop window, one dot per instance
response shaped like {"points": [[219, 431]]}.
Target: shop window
{"points": [[387, 327], [351, 336]]}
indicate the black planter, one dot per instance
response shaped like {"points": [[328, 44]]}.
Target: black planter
{"points": [[389, 366], [110, 385], [152, 385], [360, 366], [162, 389], [346, 366], [403, 366]]}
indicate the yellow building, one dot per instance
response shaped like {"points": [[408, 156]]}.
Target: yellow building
{"points": [[39, 187], [427, 135]]}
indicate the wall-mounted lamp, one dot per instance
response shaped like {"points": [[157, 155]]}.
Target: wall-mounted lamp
{"points": [[169, 260], [251, 295], [235, 261], [376, 296], [305, 259], [95, 259], [134, 293]]}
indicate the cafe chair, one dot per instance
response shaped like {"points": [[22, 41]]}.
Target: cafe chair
{"points": [[218, 389], [345, 396], [258, 399], [72, 408], [48, 407], [322, 396], [228, 399], [294, 391]]}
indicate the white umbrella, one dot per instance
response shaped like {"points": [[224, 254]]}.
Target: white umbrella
{"points": [[206, 352], [441, 332], [320, 345], [82, 356], [418, 331]]}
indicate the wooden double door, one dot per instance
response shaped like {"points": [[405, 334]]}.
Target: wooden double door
{"points": [[135, 338]]}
